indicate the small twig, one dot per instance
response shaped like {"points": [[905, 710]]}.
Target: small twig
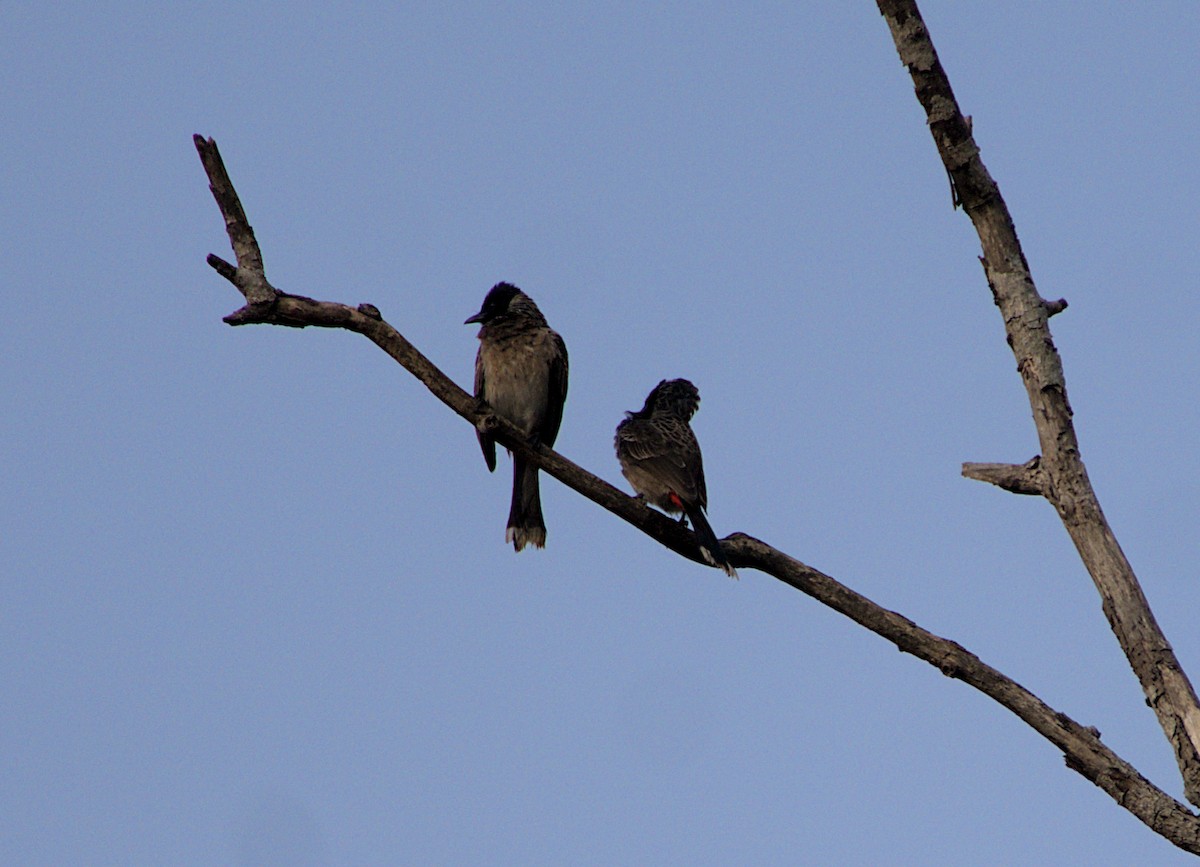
{"points": [[1053, 308], [1026, 478]]}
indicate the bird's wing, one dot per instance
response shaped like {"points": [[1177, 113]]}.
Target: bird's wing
{"points": [[666, 449], [486, 443], [696, 470], [557, 389]]}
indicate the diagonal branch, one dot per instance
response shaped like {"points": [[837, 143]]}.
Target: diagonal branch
{"points": [[1064, 479], [1082, 747], [249, 276]]}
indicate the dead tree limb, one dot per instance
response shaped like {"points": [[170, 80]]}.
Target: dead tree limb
{"points": [[1060, 475], [1026, 478], [1081, 746]]}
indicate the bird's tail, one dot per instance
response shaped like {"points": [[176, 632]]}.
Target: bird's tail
{"points": [[525, 523], [710, 547]]}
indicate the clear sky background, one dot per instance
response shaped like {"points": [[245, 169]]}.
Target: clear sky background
{"points": [[256, 604]]}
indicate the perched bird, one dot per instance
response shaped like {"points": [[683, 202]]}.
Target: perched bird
{"points": [[521, 371], [660, 457]]}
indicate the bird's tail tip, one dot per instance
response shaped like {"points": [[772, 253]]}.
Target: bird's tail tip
{"points": [[718, 561], [522, 536]]}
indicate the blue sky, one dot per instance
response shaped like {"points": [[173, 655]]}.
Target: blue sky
{"points": [[255, 604]]}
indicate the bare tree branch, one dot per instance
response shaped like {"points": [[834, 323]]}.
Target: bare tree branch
{"points": [[1082, 747], [249, 275], [1026, 478], [298, 311], [1065, 481]]}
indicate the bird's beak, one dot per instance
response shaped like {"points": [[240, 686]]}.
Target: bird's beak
{"points": [[478, 317]]}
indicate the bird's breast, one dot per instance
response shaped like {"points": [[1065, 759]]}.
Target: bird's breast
{"points": [[517, 378]]}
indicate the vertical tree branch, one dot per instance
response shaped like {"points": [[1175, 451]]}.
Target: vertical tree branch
{"points": [[1063, 480]]}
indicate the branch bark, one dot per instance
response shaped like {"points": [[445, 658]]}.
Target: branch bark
{"points": [[1082, 748], [1026, 478], [1063, 479]]}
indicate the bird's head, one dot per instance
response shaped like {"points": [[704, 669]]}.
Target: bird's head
{"points": [[677, 397], [504, 299]]}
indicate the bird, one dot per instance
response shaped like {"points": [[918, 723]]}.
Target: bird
{"points": [[521, 372], [660, 457]]}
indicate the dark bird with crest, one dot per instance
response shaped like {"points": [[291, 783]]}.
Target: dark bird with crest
{"points": [[521, 371], [660, 457]]}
